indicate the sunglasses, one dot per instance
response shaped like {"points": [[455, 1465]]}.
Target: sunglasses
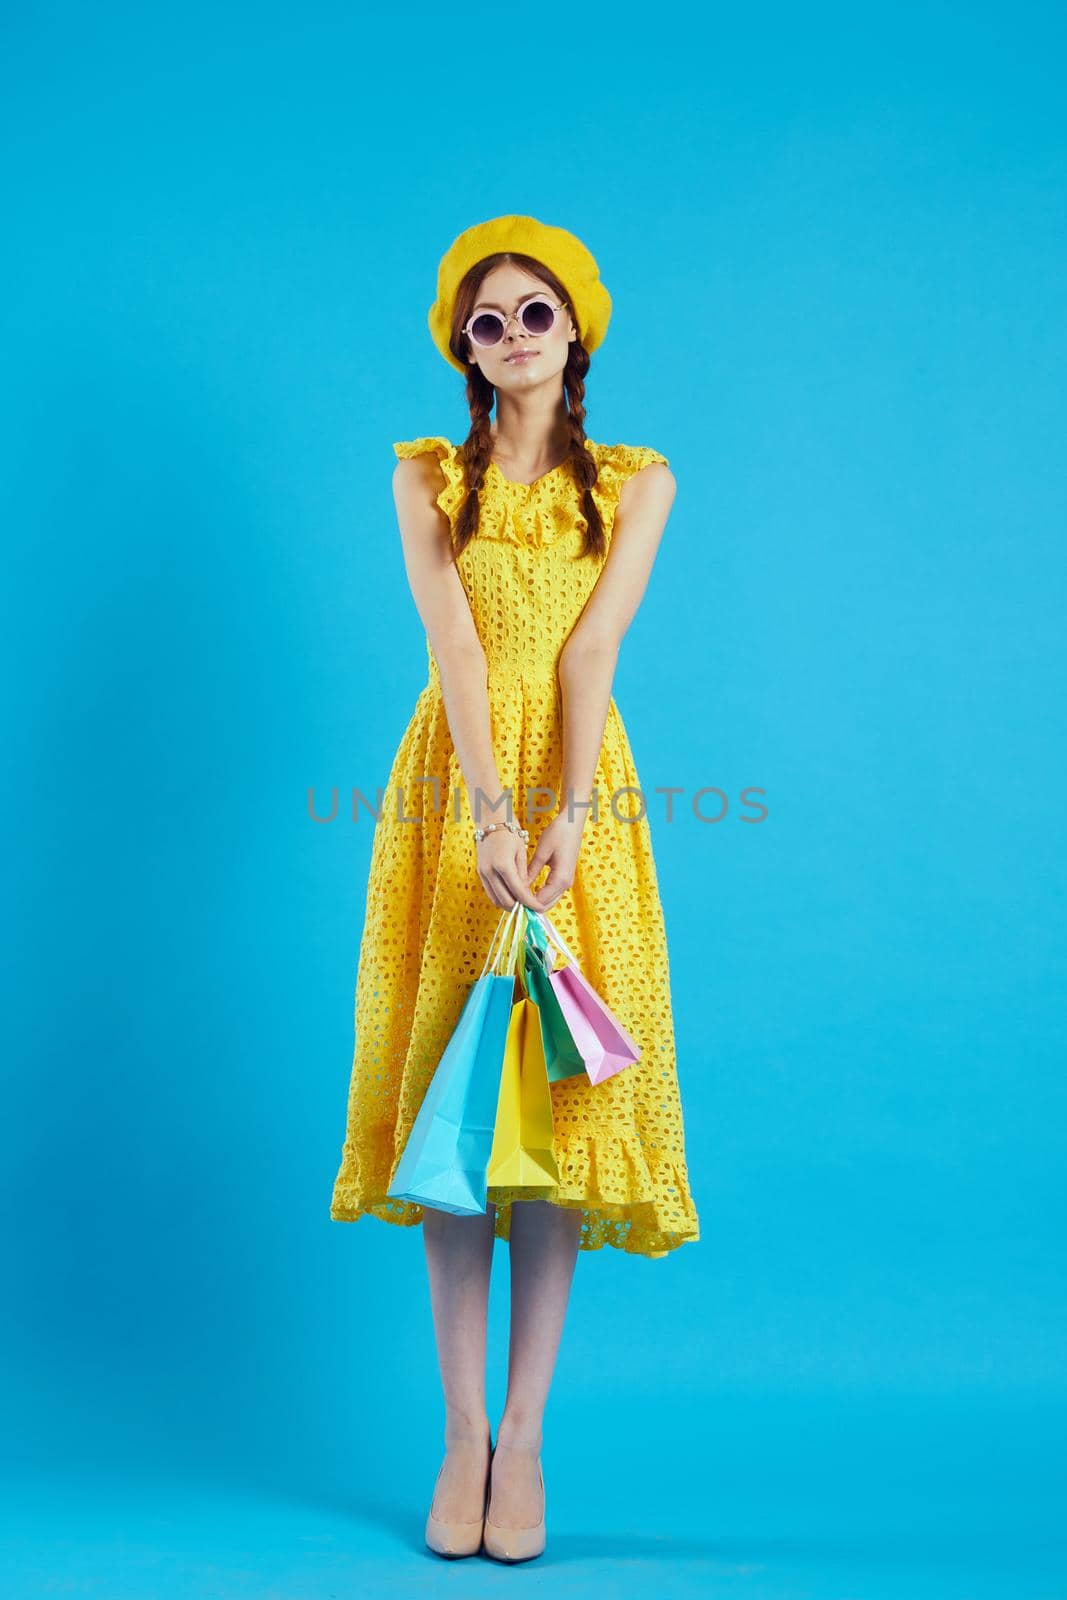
{"points": [[537, 316]]}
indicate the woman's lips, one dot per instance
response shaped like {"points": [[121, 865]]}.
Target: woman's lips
{"points": [[521, 356]]}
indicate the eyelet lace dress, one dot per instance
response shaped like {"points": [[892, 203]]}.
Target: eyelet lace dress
{"points": [[619, 1145]]}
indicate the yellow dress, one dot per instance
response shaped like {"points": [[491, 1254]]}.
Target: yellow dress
{"points": [[619, 1145]]}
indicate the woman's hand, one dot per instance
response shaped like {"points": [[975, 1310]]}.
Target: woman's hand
{"points": [[501, 859], [557, 848]]}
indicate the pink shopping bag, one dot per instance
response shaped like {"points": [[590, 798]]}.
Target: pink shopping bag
{"points": [[601, 1039]]}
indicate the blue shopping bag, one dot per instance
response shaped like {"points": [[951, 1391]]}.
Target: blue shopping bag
{"points": [[446, 1156]]}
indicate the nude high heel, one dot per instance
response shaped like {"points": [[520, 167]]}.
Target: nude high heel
{"points": [[448, 1538], [513, 1544]]}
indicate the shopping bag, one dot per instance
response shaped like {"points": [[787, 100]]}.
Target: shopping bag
{"points": [[522, 1156], [563, 1059], [444, 1161], [602, 1041]]}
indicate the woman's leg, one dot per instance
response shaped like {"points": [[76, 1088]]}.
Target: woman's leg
{"points": [[459, 1255], [544, 1249]]}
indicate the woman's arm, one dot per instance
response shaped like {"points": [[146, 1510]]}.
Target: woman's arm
{"points": [[587, 665], [442, 604], [587, 662]]}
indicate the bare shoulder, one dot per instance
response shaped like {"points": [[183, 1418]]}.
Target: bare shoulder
{"points": [[418, 477], [653, 485]]}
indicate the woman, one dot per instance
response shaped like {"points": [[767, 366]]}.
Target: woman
{"points": [[528, 549]]}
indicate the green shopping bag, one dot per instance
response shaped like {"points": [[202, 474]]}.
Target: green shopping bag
{"points": [[562, 1057]]}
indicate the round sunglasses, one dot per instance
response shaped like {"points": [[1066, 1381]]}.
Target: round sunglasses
{"points": [[536, 314]]}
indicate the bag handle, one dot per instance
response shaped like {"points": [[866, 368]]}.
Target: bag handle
{"points": [[517, 939], [555, 936], [496, 942], [506, 928]]}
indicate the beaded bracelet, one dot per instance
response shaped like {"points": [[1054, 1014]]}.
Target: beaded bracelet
{"points": [[512, 827]]}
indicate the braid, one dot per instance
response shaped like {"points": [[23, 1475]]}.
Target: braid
{"points": [[582, 462], [477, 452]]}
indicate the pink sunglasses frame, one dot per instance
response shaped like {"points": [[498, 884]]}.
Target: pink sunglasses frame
{"points": [[516, 315]]}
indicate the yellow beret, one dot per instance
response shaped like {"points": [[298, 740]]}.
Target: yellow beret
{"points": [[560, 251]]}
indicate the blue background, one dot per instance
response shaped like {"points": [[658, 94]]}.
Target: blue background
{"points": [[835, 241]]}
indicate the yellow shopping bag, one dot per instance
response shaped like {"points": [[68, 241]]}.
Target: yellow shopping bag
{"points": [[522, 1156]]}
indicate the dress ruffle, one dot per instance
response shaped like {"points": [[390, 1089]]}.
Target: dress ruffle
{"points": [[615, 464], [452, 496], [636, 1200], [532, 514]]}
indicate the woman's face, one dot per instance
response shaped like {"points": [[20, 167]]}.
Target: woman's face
{"points": [[504, 290]]}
